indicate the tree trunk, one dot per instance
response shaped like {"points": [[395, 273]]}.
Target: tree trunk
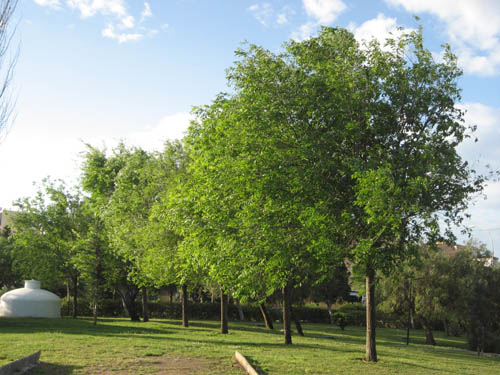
{"points": [[94, 312], [75, 296], [223, 312], [145, 307], [287, 315], [128, 298], [429, 337], [446, 327], [296, 321], [184, 298], [240, 310], [125, 310], [68, 298], [371, 349], [267, 319], [330, 312]]}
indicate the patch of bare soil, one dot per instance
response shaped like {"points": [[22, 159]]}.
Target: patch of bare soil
{"points": [[148, 365], [175, 366]]}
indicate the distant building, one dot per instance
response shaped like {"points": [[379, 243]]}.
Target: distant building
{"points": [[451, 251], [5, 218]]}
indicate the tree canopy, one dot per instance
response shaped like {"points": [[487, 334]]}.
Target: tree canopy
{"points": [[330, 149]]}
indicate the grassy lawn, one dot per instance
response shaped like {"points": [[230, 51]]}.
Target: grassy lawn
{"points": [[118, 346]]}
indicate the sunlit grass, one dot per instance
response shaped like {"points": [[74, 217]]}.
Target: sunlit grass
{"points": [[118, 345]]}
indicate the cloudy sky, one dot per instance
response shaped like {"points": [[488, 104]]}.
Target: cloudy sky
{"points": [[98, 71]]}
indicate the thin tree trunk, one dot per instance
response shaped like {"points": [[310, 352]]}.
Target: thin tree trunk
{"points": [[184, 297], [125, 309], [267, 319], [75, 297], [94, 312], [68, 298], [145, 307], [330, 312], [296, 321], [371, 349], [446, 327], [287, 315], [429, 337], [240, 310], [223, 312]]}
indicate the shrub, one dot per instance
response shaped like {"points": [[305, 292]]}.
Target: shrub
{"points": [[488, 342], [340, 319], [312, 314], [354, 313]]}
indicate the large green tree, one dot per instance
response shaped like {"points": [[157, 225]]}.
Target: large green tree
{"points": [[328, 149]]}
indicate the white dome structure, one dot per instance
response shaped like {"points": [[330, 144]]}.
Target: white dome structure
{"points": [[30, 302]]}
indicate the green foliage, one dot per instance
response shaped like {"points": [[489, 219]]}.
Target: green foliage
{"points": [[45, 230], [456, 292], [8, 276], [334, 286], [353, 314], [340, 319]]}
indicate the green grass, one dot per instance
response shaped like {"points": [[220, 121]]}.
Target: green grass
{"points": [[118, 346]]}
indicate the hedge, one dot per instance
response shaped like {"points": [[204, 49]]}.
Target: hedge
{"points": [[201, 311]]}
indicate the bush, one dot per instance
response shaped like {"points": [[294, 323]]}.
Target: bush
{"points": [[489, 342], [340, 319], [354, 313], [312, 314]]}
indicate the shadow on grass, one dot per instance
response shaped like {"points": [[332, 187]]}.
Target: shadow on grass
{"points": [[75, 326], [433, 369], [255, 364], [53, 369]]}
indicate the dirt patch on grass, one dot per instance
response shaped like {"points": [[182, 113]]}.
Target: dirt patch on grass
{"points": [[192, 366], [149, 365]]}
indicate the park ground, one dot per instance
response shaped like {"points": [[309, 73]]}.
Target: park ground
{"points": [[163, 347]]}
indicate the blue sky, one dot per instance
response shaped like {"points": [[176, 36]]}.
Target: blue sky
{"points": [[102, 70]]}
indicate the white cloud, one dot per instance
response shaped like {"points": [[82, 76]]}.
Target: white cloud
{"points": [[116, 14], [324, 11], [89, 8], [473, 27], [49, 3], [320, 12], [282, 19], [150, 137], [146, 12], [57, 154], [109, 32], [485, 150], [304, 31], [484, 212], [168, 128], [152, 33], [262, 12], [265, 14], [379, 28], [127, 22]]}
